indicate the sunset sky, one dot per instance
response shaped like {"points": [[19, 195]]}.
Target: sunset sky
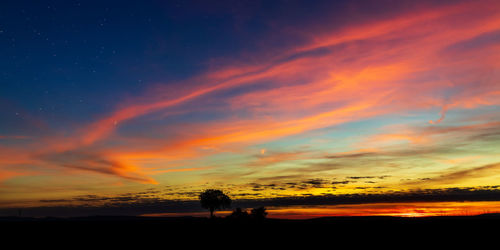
{"points": [[122, 102]]}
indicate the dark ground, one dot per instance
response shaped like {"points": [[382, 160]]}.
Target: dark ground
{"points": [[338, 228]]}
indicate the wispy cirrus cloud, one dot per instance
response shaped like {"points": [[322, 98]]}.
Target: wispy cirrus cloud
{"points": [[91, 162], [457, 176], [435, 58], [330, 79]]}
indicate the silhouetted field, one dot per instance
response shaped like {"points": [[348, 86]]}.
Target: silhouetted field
{"points": [[171, 227]]}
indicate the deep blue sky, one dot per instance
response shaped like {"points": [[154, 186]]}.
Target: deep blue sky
{"points": [[70, 59]]}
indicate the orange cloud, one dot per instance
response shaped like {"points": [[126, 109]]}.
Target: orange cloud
{"points": [[172, 170], [8, 174], [335, 81], [271, 158], [391, 66]]}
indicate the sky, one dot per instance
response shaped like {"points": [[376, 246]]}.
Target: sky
{"points": [[126, 103]]}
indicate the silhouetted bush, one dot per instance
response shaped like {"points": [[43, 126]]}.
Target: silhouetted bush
{"points": [[239, 214], [259, 213]]}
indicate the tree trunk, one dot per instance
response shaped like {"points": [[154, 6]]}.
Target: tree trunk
{"points": [[211, 212]]}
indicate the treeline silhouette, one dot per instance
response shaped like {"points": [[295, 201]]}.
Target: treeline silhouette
{"points": [[255, 214], [213, 199]]}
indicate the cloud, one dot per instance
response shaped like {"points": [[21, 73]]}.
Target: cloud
{"points": [[443, 115], [367, 177], [355, 79], [93, 162], [316, 183], [340, 182], [270, 158], [390, 65], [455, 177], [8, 174]]}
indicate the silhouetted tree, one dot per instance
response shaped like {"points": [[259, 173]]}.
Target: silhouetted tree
{"points": [[259, 213], [213, 199]]}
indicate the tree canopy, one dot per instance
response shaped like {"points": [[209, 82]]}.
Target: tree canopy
{"points": [[213, 199]]}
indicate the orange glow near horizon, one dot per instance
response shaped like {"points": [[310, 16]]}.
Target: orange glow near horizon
{"points": [[408, 209]]}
